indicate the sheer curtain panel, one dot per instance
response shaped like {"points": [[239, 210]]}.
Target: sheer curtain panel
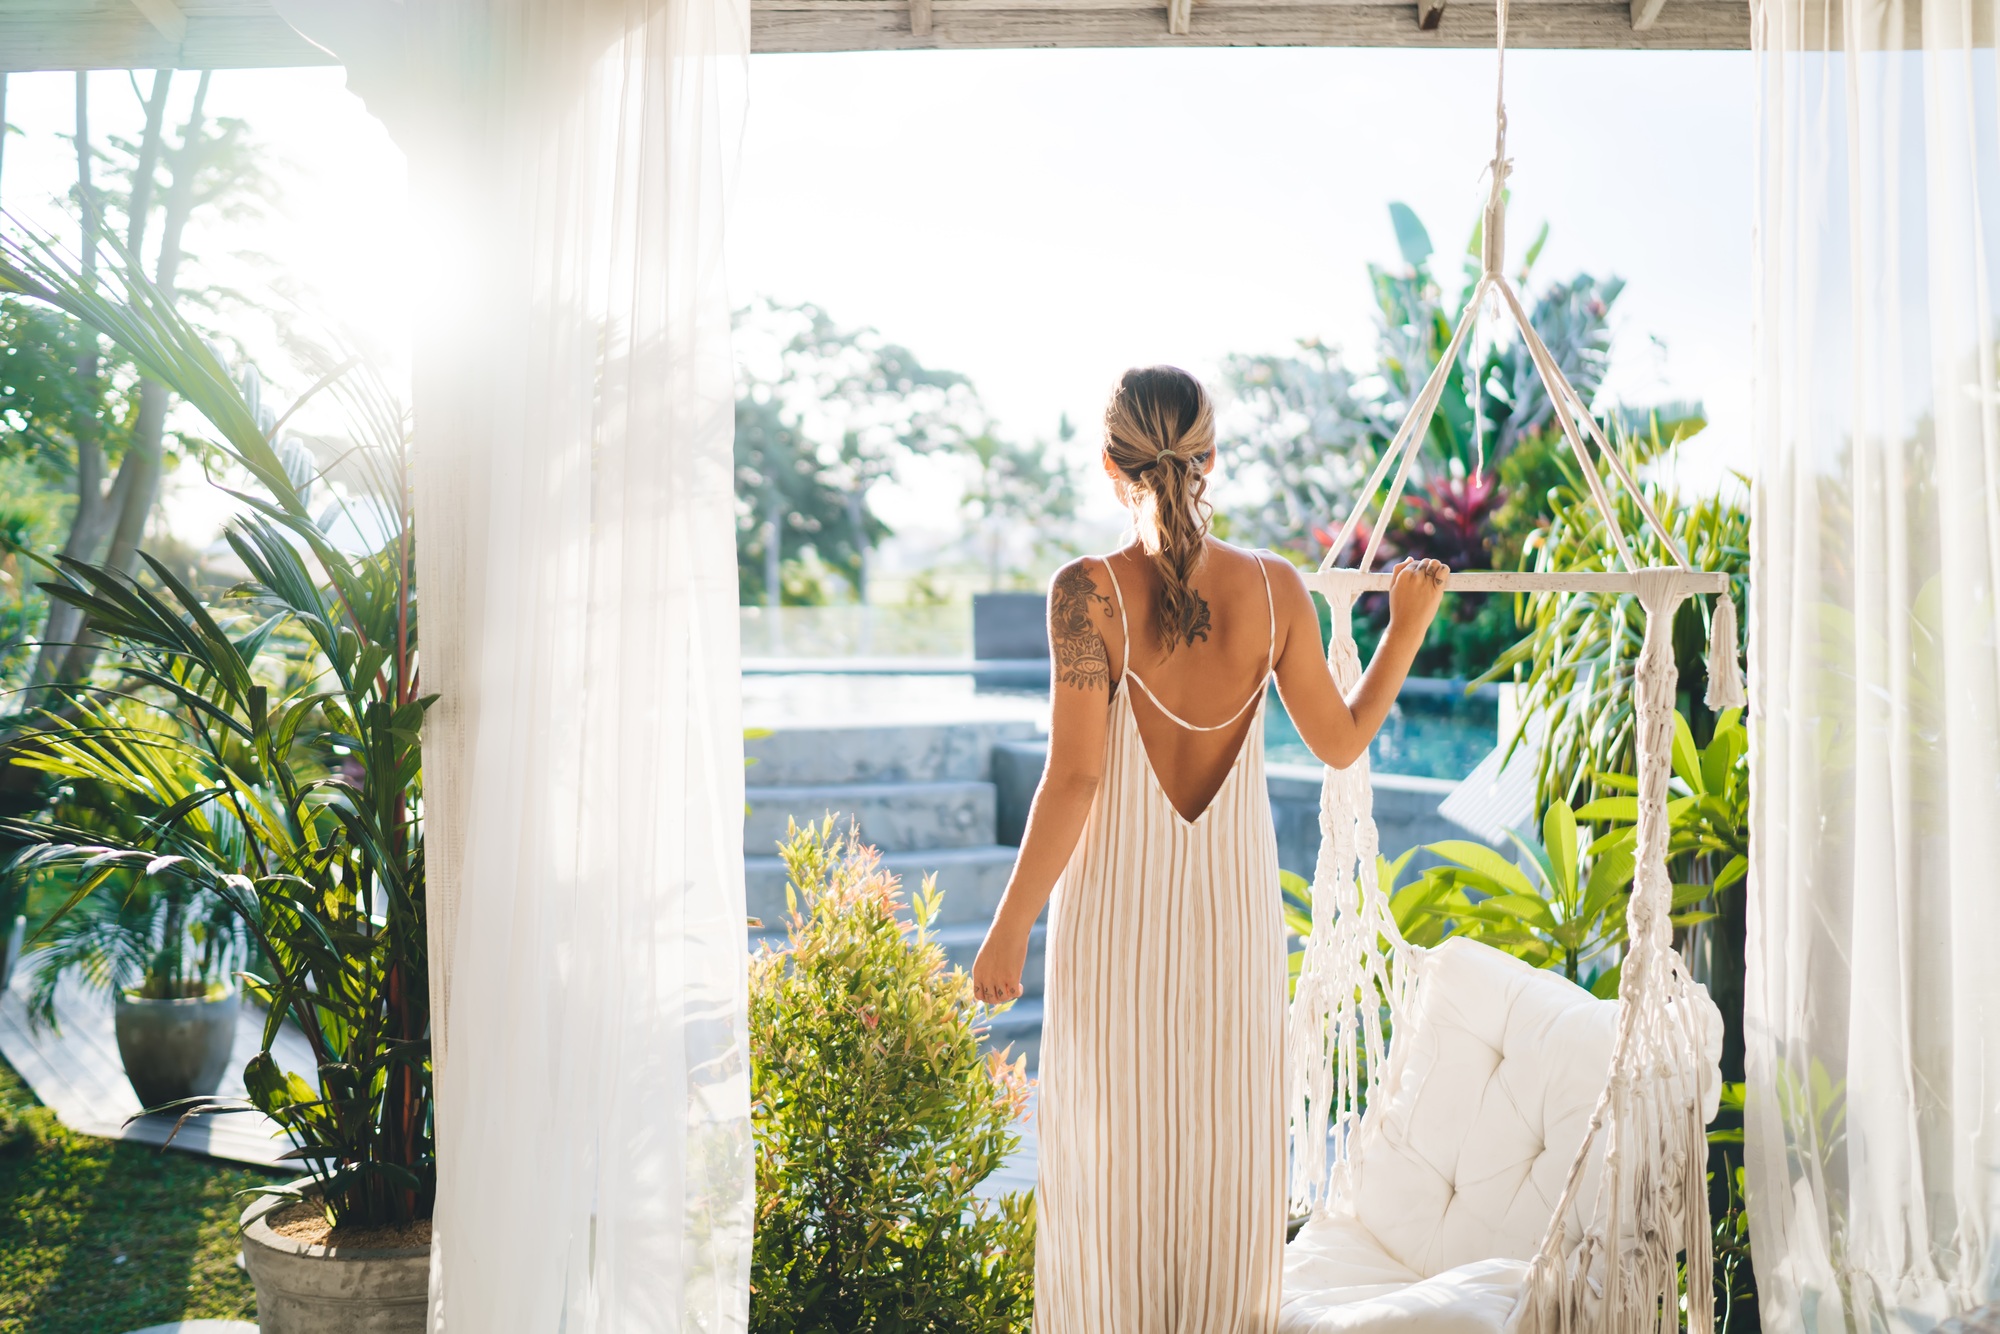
{"points": [[1872, 1007], [573, 406]]}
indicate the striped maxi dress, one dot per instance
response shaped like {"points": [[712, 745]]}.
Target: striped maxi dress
{"points": [[1160, 1199]]}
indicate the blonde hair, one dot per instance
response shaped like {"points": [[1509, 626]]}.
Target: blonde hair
{"points": [[1159, 428]]}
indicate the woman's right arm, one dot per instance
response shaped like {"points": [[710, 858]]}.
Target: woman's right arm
{"points": [[1338, 729], [1083, 619]]}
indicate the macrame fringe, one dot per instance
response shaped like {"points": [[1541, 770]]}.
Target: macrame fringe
{"points": [[1616, 1271], [1725, 677], [1355, 963], [1651, 1207]]}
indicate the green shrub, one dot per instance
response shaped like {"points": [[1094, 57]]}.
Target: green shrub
{"points": [[876, 1117]]}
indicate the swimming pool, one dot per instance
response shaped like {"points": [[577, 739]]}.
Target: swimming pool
{"points": [[1434, 730]]}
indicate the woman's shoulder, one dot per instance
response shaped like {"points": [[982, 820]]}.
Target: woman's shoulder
{"points": [[1275, 567], [1085, 584]]}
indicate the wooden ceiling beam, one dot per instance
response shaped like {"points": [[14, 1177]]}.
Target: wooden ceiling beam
{"points": [[167, 17], [1645, 13], [224, 34], [149, 34], [867, 25]]}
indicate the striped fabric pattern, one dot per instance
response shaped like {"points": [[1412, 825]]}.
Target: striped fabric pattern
{"points": [[1160, 1205]]}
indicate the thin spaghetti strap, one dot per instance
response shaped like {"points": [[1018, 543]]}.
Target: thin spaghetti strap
{"points": [[1270, 659], [1124, 621], [1270, 610], [1230, 721]]}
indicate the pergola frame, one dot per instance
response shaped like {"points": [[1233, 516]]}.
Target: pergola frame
{"points": [[238, 34]]}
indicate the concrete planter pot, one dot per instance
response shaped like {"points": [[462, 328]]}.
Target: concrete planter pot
{"points": [[304, 1289], [175, 1049]]}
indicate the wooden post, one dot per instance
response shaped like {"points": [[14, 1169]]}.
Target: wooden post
{"points": [[1180, 16], [1430, 13], [920, 18], [1645, 12]]}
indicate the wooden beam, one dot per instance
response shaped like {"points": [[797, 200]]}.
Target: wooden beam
{"points": [[166, 16], [1645, 13], [1519, 581], [224, 34], [136, 34], [872, 25]]}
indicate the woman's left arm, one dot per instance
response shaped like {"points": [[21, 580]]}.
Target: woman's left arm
{"points": [[1080, 611]]}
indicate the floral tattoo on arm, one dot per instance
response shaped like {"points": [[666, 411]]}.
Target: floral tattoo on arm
{"points": [[1081, 658]]}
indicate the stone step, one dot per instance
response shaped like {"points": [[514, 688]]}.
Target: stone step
{"points": [[893, 817], [899, 753], [972, 879]]}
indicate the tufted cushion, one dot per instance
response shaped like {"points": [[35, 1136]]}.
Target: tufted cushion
{"points": [[1488, 1090]]}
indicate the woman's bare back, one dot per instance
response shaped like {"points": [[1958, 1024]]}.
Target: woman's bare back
{"points": [[1227, 648]]}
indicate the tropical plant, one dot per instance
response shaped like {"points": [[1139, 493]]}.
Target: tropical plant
{"points": [[1735, 1279], [153, 938], [1577, 660], [1568, 915], [1304, 430], [1708, 813], [876, 1117], [1302, 433], [1295, 893], [290, 791], [32, 519]]}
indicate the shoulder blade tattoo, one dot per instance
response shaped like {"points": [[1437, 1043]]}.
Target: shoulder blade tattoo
{"points": [[1081, 657]]}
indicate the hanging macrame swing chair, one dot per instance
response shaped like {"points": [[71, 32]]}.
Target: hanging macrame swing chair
{"points": [[1481, 1145]]}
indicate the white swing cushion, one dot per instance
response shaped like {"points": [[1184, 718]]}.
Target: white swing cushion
{"points": [[1455, 1173]]}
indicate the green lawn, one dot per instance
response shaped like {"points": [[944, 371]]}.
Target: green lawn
{"points": [[100, 1237]]}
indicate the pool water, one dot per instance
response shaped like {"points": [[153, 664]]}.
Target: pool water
{"points": [[1435, 730], [1431, 732]]}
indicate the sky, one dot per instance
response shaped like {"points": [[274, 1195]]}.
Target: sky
{"points": [[1040, 220]]}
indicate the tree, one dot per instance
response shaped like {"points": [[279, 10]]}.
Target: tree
{"points": [[81, 414], [1300, 426], [784, 502], [1018, 489], [823, 413]]}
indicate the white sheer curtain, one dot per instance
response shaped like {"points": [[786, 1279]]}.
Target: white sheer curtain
{"points": [[583, 766], [1872, 1006]]}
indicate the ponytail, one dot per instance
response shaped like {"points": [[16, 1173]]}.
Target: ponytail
{"points": [[1159, 428]]}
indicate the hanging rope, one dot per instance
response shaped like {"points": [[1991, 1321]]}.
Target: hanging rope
{"points": [[1612, 1267]]}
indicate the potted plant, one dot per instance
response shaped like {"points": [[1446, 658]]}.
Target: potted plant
{"points": [[281, 773], [167, 952]]}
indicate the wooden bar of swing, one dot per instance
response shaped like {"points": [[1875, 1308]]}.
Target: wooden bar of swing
{"points": [[1518, 581]]}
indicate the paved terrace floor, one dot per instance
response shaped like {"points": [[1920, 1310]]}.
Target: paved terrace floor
{"points": [[77, 1073]]}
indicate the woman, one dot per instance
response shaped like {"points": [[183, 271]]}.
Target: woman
{"points": [[1160, 1206]]}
